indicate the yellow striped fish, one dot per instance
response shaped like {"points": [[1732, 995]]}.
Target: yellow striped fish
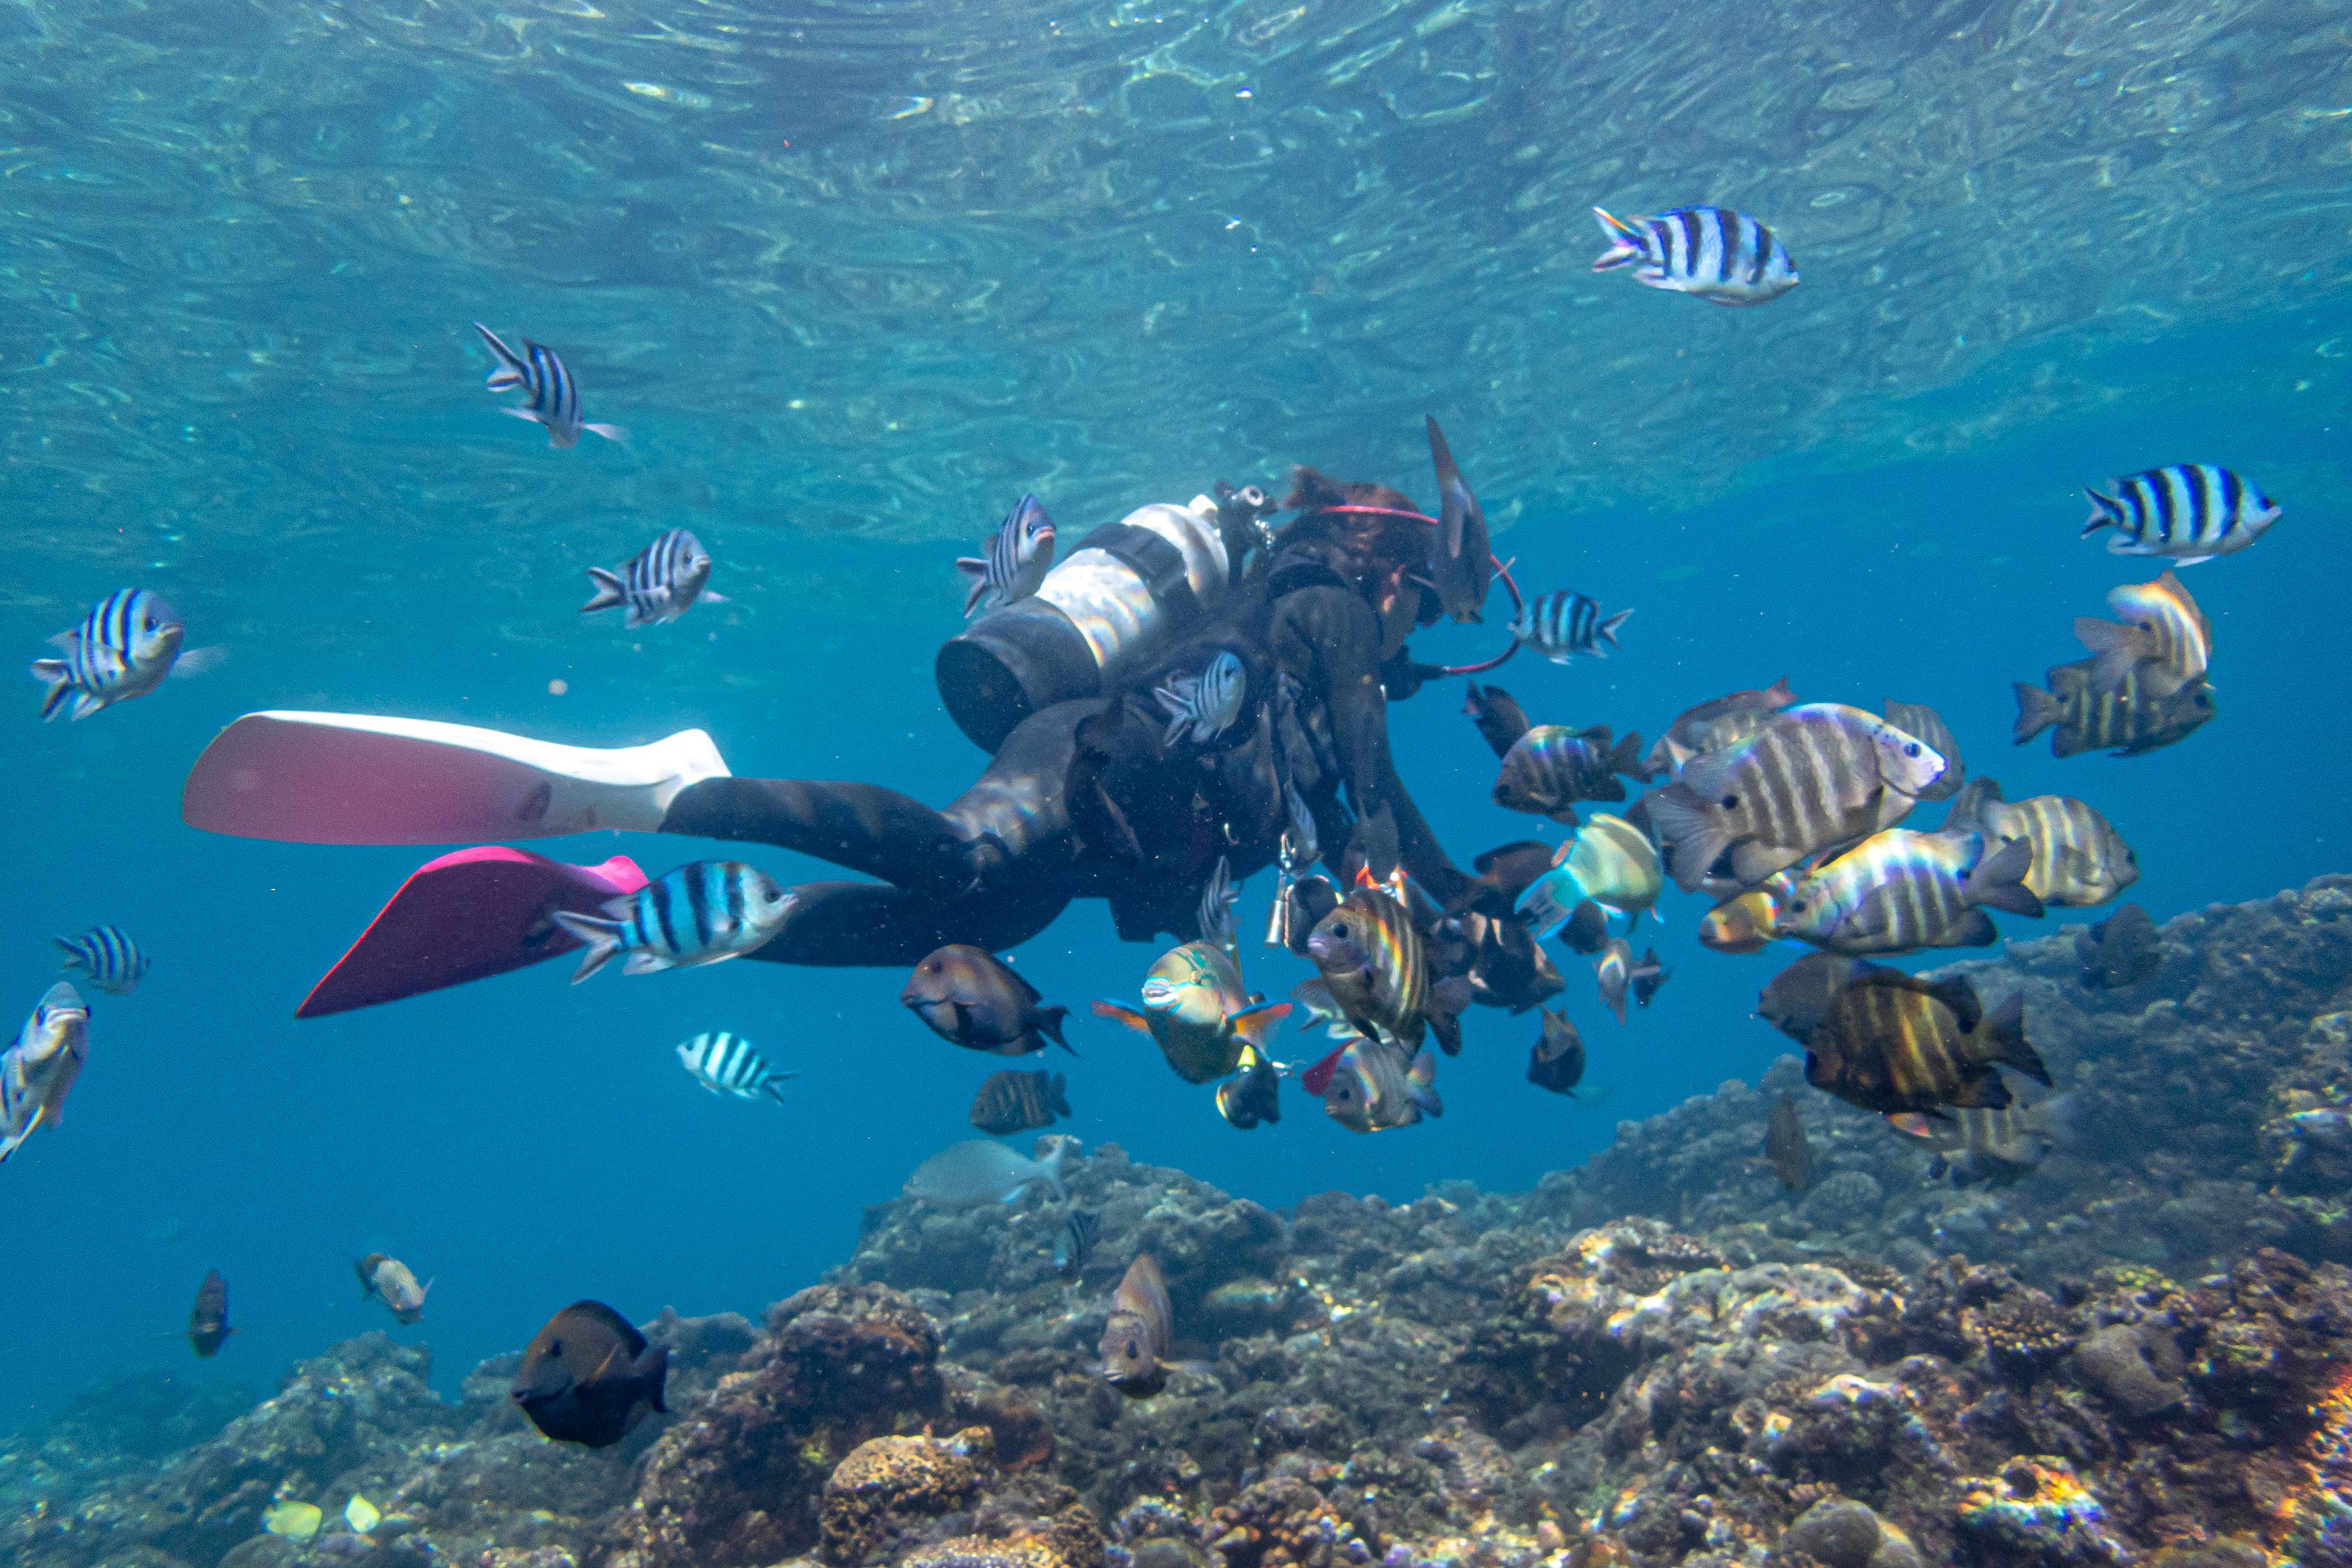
{"points": [[2132, 718], [1890, 1042], [1897, 892], [2163, 635], [1377, 968], [2079, 859]]}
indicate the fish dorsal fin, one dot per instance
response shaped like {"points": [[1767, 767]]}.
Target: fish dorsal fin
{"points": [[620, 1325]]}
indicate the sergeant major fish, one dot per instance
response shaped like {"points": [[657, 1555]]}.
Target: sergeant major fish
{"points": [[968, 997], [110, 959], [41, 1067], [1898, 891], [724, 1063], [1020, 554], [2191, 511], [589, 1377], [1722, 257], [659, 583], [1208, 702], [1712, 725], [1563, 622], [1372, 1088], [705, 912], [1551, 766], [394, 1283], [1891, 1041], [1011, 1102], [2079, 859], [553, 396], [2131, 718], [1989, 1146], [124, 648]]}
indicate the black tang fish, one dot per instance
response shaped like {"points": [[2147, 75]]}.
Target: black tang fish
{"points": [[589, 1377]]}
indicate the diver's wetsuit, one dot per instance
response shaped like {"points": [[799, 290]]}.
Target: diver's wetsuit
{"points": [[1087, 798]]}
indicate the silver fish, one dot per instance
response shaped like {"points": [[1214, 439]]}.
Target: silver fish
{"points": [[124, 648], [1564, 623], [108, 955], [703, 913], [38, 1070], [1019, 555], [1208, 702], [2189, 511], [659, 583], [1720, 256], [554, 397], [725, 1064], [980, 1171]]}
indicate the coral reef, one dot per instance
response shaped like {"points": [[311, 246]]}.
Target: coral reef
{"points": [[2136, 1352]]}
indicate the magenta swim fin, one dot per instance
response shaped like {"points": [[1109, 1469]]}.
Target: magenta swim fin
{"points": [[466, 916]]}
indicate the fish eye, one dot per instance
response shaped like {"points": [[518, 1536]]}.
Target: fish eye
{"points": [[555, 1347], [1341, 931], [1911, 749], [1134, 1350], [1731, 803]]}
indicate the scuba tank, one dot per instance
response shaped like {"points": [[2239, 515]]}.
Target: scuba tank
{"points": [[1101, 612]]}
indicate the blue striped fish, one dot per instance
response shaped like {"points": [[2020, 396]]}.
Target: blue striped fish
{"points": [[554, 396], [1019, 556], [2191, 511], [1209, 701], [659, 583], [1563, 622], [38, 1070], [111, 959], [124, 647], [725, 1064], [1721, 255], [705, 912]]}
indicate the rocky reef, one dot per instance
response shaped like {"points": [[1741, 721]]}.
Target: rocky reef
{"points": [[2140, 1351]]}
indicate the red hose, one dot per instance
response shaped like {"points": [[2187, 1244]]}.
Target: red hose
{"points": [[1518, 604]]}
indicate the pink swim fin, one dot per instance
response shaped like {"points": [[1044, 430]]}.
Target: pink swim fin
{"points": [[466, 916]]}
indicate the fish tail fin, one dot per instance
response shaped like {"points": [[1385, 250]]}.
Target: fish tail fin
{"points": [[1125, 1017], [1607, 630], [1626, 757], [609, 590], [2002, 1038], [1048, 1021], [603, 938], [1058, 1099], [617, 434], [1679, 813], [977, 570], [1255, 1023], [1999, 881], [2105, 512], [1421, 1082], [2065, 1121], [59, 675], [2037, 710], [1622, 250], [1181, 705], [75, 958], [1447, 999], [1056, 1162], [653, 1372]]}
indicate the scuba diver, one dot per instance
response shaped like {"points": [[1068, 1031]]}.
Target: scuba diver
{"points": [[1276, 649]]}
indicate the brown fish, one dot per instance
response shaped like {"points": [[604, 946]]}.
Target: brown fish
{"points": [[391, 1282], [2121, 950], [971, 997], [1557, 1060], [1498, 716], [1460, 565], [1712, 725], [1136, 1340], [208, 1322], [1786, 1148], [1504, 871], [1891, 1041], [1797, 999], [1377, 968], [2131, 718], [1016, 1102], [588, 1378]]}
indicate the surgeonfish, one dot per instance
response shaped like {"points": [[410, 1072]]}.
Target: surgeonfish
{"points": [[705, 912], [1197, 1011], [553, 397], [589, 1377], [2191, 511], [1075, 1242], [394, 1283], [208, 1319], [968, 997], [1563, 622], [1925, 725], [39, 1069], [1372, 1088], [1139, 1333], [1460, 562], [2079, 859], [979, 1171], [659, 583], [1208, 702], [1020, 554], [2122, 950], [724, 1063], [1011, 1101], [1610, 863], [1712, 725], [1898, 891], [1786, 1149], [1551, 766], [1255, 1096], [1722, 257], [1556, 1061], [2131, 718], [1809, 778], [2163, 635], [1377, 968], [1892, 1041], [1619, 975], [105, 954], [124, 648], [1498, 716]]}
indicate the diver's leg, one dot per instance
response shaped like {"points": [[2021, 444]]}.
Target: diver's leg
{"points": [[860, 826], [869, 924]]}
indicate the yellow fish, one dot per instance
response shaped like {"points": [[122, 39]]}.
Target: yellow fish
{"points": [[1609, 861], [1196, 1011]]}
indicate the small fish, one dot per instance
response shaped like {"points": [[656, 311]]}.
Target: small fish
{"points": [[1989, 1146], [1508, 968], [1648, 976], [109, 958], [1746, 922], [1924, 723], [1377, 966], [1619, 974], [2163, 635], [361, 1515], [2191, 511], [1019, 556], [391, 1281], [1313, 998], [1308, 899], [2079, 859], [1712, 725], [1586, 929], [1498, 716], [1137, 1339], [1208, 702], [1557, 1060], [1075, 1243], [1255, 1096], [554, 397], [1196, 1010], [1013, 1101], [41, 1067], [124, 648], [705, 912], [1562, 623], [1891, 1041], [589, 1377], [977, 1172], [1371, 1088], [1610, 863], [208, 1319], [724, 1063], [2131, 718], [2122, 950], [1898, 891], [1216, 914], [1295, 853], [293, 1521], [1786, 1149], [1460, 565], [659, 583], [968, 997], [1722, 257], [1551, 766], [1505, 874]]}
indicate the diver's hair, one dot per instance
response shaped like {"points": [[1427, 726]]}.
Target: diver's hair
{"points": [[1312, 490]]}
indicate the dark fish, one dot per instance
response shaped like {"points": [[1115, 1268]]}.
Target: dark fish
{"points": [[1075, 1243], [971, 998], [208, 1322], [1891, 1041], [1504, 873], [1310, 899], [2122, 950], [1255, 1096], [588, 1378], [554, 397], [1786, 1148], [1020, 554], [2131, 718], [109, 956], [1016, 1102], [1648, 976], [1371, 1088], [1551, 766], [659, 583], [1797, 999], [1498, 716], [1557, 1060], [1460, 564], [1722, 257], [1378, 969], [1712, 725], [1618, 975], [1924, 722], [2192, 511], [1586, 930], [1509, 969], [1136, 1341]]}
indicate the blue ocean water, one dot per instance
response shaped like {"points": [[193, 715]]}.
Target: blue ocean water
{"points": [[855, 277]]}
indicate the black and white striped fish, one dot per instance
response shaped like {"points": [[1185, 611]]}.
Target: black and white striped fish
{"points": [[124, 647], [659, 583], [111, 959], [1721, 255], [1209, 701], [39, 1069], [705, 912], [1218, 896], [1564, 623], [2191, 511], [725, 1064], [555, 402], [1019, 556]]}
